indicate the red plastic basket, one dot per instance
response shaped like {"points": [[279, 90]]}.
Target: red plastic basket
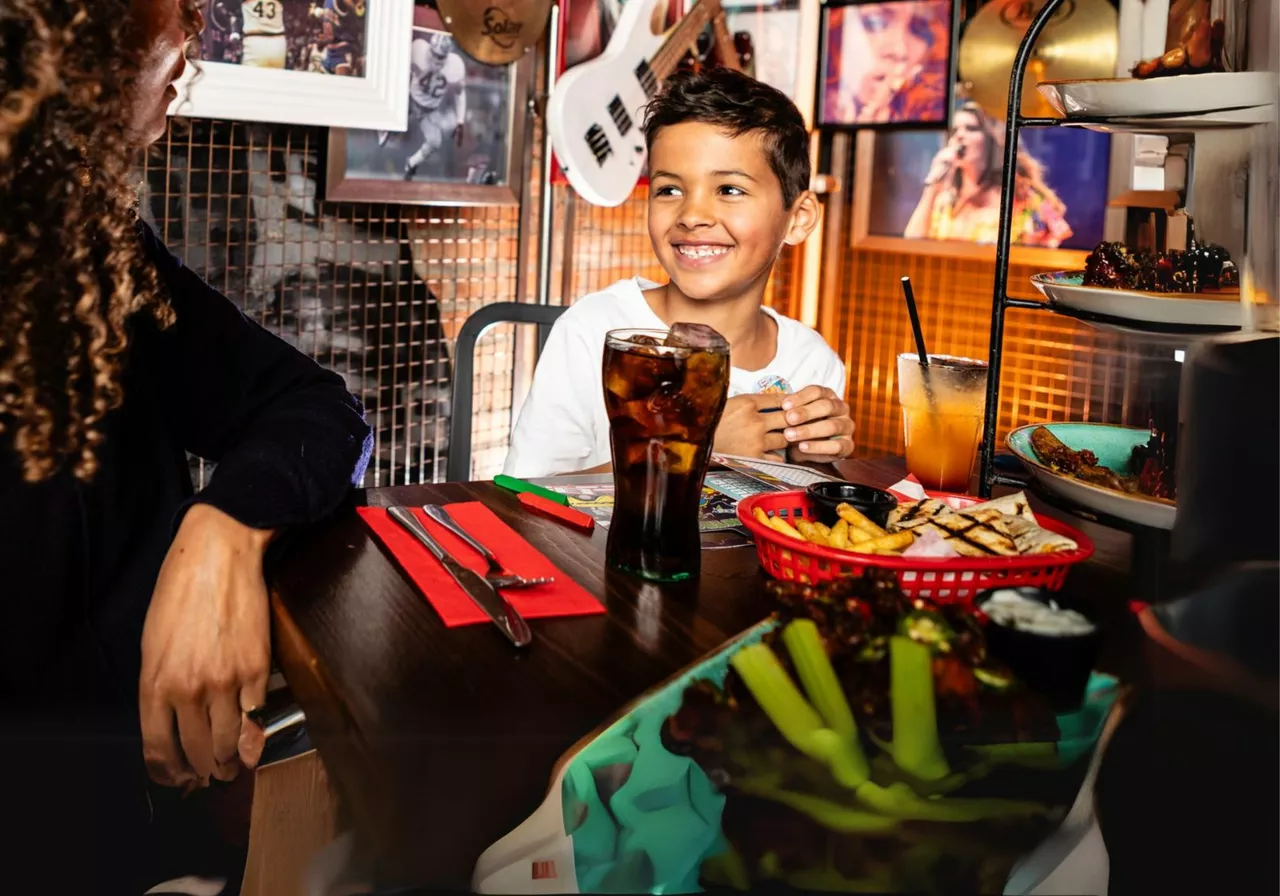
{"points": [[948, 579]]}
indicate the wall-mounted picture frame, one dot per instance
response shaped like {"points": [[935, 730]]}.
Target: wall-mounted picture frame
{"points": [[770, 35], [887, 63], [464, 144], [336, 63], [922, 190]]}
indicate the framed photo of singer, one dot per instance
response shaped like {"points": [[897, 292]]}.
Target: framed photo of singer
{"points": [[917, 186], [887, 63]]}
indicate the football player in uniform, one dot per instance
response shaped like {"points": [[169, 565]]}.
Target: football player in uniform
{"points": [[265, 45], [437, 96], [342, 33]]}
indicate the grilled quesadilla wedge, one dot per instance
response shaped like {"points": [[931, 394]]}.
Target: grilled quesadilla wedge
{"points": [[1005, 527], [917, 513], [962, 545], [1014, 505]]}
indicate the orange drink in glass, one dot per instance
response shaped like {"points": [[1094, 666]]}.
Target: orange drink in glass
{"points": [[942, 412]]}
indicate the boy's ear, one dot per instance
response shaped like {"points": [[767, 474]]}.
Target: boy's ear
{"points": [[805, 215]]}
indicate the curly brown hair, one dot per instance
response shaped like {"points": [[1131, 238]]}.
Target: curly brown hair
{"points": [[72, 268]]}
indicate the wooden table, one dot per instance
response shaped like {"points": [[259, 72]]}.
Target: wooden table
{"points": [[440, 741]]}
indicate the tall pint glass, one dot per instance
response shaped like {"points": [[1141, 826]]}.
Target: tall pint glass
{"points": [[664, 397]]}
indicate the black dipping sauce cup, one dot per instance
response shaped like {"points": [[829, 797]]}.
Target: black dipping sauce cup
{"points": [[1057, 666], [873, 503]]}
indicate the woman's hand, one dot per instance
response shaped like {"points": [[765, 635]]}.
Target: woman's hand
{"points": [[942, 164], [819, 428], [746, 431], [206, 652]]}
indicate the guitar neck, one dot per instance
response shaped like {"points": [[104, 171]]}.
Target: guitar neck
{"points": [[683, 36], [725, 49]]}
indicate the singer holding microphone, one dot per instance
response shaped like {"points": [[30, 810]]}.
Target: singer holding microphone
{"points": [[961, 197]]}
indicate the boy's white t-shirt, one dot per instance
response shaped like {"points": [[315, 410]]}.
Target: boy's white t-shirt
{"points": [[563, 426]]}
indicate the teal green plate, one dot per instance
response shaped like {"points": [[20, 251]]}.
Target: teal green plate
{"points": [[643, 820], [1114, 446]]}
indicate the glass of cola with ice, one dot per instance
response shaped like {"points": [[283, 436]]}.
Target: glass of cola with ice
{"points": [[664, 393]]}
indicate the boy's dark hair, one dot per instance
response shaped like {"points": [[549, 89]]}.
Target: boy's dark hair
{"points": [[739, 104]]}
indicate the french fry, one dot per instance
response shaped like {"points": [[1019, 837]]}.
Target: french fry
{"points": [[857, 535], [857, 521], [812, 533], [826, 531], [781, 525], [888, 544], [840, 536], [778, 524]]}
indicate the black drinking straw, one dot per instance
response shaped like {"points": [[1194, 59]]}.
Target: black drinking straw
{"points": [[910, 295]]}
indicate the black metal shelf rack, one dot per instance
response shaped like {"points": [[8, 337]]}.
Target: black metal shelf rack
{"points": [[1150, 550], [1000, 300]]}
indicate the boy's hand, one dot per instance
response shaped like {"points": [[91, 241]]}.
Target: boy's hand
{"points": [[819, 428], [747, 432]]}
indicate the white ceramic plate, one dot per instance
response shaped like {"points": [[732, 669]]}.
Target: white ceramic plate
{"points": [[1176, 309], [1172, 96], [1155, 124], [1111, 444]]}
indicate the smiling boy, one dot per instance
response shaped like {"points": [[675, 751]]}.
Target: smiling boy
{"points": [[729, 177]]}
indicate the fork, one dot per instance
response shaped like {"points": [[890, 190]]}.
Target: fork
{"points": [[498, 575]]}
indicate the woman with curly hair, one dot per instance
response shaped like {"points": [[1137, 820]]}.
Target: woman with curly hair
{"points": [[961, 198], [134, 626]]}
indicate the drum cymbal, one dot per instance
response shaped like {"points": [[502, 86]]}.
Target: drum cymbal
{"points": [[495, 31], [1080, 41]]}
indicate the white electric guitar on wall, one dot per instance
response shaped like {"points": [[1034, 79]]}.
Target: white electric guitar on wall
{"points": [[596, 109]]}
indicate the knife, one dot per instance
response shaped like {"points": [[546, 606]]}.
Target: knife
{"points": [[504, 615]]}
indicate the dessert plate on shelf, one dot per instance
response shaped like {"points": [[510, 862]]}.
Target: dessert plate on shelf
{"points": [[1226, 118], [1176, 95], [1113, 446], [1214, 310]]}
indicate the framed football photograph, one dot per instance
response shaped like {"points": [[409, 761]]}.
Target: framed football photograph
{"points": [[335, 63], [464, 144]]}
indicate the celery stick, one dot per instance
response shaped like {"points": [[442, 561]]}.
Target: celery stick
{"points": [[848, 765], [1032, 754], [819, 679], [769, 865], [916, 748], [727, 869], [832, 816], [777, 695], [899, 801], [885, 772], [797, 721], [814, 668]]}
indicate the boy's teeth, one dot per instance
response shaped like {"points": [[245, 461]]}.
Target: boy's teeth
{"points": [[703, 251]]}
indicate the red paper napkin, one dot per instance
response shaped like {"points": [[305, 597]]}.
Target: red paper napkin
{"points": [[564, 597]]}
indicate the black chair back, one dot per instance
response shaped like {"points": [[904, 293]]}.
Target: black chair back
{"points": [[458, 468]]}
